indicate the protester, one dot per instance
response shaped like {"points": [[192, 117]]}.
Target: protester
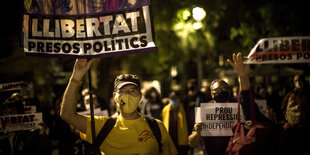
{"points": [[151, 104], [174, 119], [215, 145], [301, 82], [22, 141], [267, 138], [131, 133], [192, 99], [17, 96], [265, 145], [221, 92], [296, 109]]}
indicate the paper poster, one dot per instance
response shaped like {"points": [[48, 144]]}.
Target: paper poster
{"points": [[217, 118], [281, 50], [20, 122]]}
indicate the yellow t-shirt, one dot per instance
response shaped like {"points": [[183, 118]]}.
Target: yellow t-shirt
{"points": [[130, 137]]}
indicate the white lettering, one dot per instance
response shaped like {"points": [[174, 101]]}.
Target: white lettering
{"points": [[67, 30], [46, 28], [92, 25], [57, 29], [133, 17], [120, 25], [106, 23], [80, 29], [35, 31]]}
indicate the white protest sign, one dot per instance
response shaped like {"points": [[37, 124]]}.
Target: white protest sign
{"points": [[281, 50], [20, 122], [217, 118]]}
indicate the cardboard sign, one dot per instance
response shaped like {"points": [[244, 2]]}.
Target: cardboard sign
{"points": [[217, 118], [86, 30], [281, 50], [20, 122]]}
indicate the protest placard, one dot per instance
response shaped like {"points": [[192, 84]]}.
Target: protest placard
{"points": [[217, 118], [20, 122], [281, 50], [88, 29]]}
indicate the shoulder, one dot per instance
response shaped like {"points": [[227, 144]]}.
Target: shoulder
{"points": [[159, 122], [99, 120], [167, 107], [161, 125], [97, 117]]}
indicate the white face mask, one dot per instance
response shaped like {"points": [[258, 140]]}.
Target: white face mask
{"points": [[130, 102]]}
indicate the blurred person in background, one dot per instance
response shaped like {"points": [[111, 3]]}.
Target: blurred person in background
{"points": [[296, 110], [22, 141], [192, 99], [301, 82], [151, 104], [174, 119]]}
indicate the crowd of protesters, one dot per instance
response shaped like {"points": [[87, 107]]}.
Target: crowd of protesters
{"points": [[177, 112]]}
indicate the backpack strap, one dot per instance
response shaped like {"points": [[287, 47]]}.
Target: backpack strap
{"points": [[156, 130], [104, 132]]}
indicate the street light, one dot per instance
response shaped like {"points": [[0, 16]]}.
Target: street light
{"points": [[188, 22], [197, 25], [198, 15]]}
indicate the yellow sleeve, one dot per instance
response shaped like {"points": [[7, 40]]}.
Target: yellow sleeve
{"points": [[166, 116], [168, 145], [99, 122]]}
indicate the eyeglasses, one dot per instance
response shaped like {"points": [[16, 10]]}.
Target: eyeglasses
{"points": [[131, 91], [219, 90], [127, 76]]}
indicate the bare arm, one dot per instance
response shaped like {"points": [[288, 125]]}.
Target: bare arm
{"points": [[242, 69], [68, 106]]}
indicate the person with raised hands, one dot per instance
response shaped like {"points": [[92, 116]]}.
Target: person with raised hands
{"points": [[131, 133]]}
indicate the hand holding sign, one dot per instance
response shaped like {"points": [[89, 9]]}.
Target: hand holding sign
{"points": [[198, 127]]}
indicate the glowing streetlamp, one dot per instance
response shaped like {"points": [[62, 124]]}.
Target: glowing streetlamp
{"points": [[198, 15], [189, 21]]}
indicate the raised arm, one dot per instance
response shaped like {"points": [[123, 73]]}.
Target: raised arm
{"points": [[242, 69], [68, 106]]}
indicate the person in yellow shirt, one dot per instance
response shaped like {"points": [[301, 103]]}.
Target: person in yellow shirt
{"points": [[174, 119], [131, 134]]}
